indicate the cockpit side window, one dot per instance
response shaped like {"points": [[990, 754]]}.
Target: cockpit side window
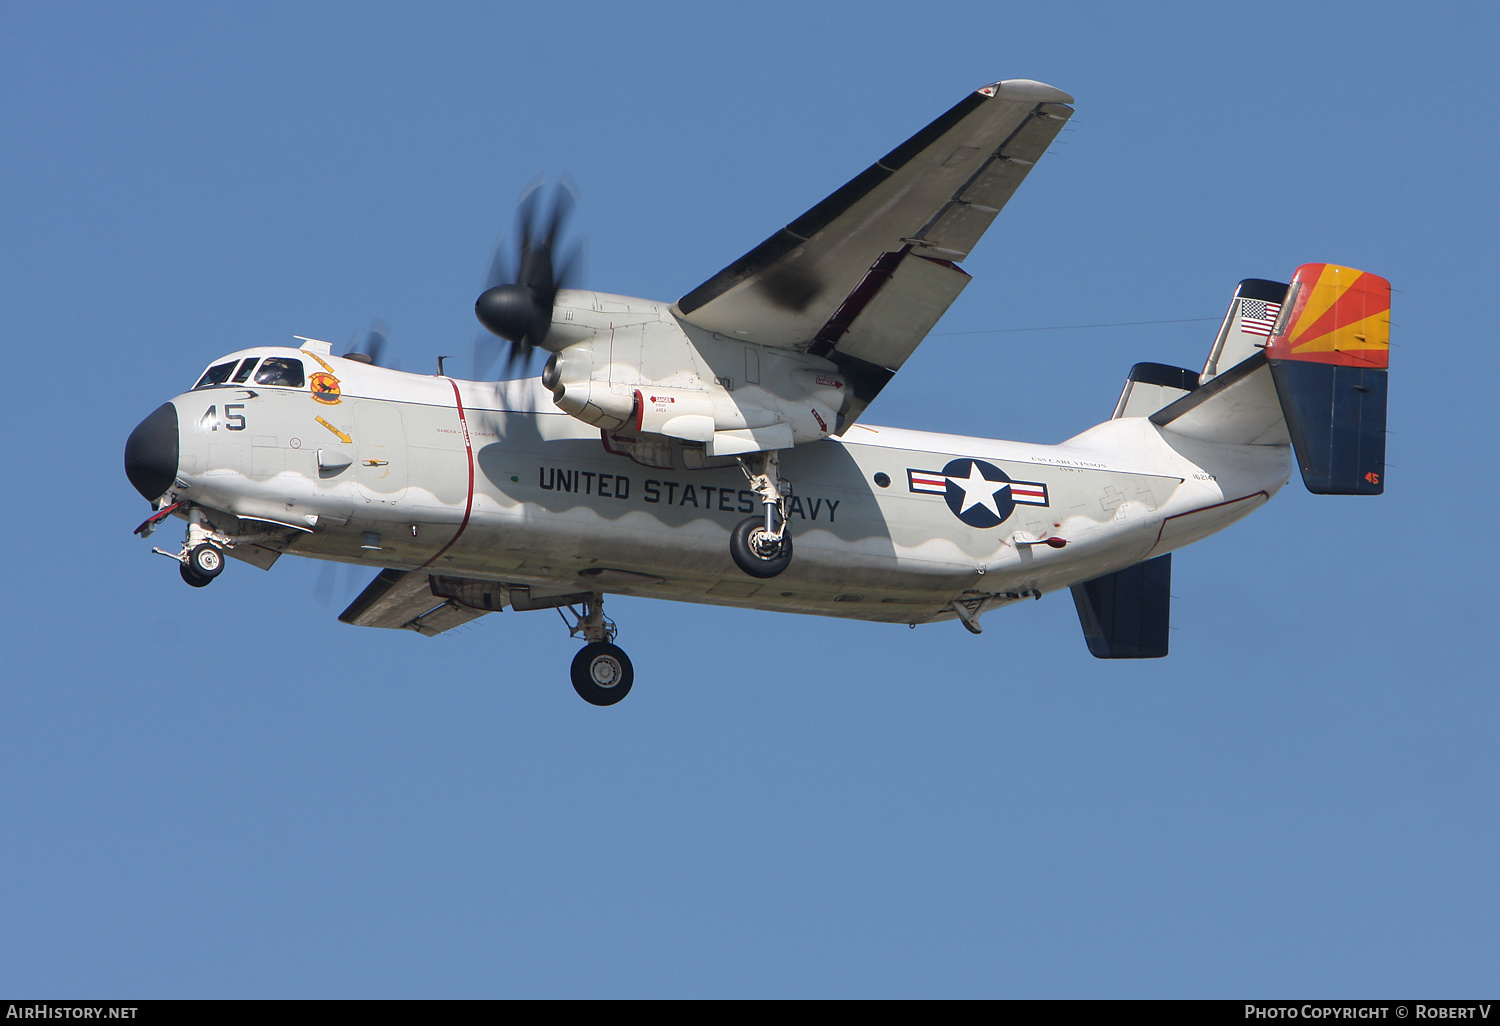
{"points": [[215, 375], [280, 370], [243, 374]]}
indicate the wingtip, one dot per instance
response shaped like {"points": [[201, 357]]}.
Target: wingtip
{"points": [[1026, 89]]}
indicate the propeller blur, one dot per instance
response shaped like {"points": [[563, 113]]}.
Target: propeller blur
{"points": [[519, 297]]}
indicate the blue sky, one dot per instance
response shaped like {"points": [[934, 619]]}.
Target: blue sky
{"points": [[227, 793]]}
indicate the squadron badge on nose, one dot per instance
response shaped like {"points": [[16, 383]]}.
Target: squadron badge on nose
{"points": [[325, 388], [979, 493]]}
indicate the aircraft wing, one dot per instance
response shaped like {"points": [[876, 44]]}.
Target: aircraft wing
{"points": [[863, 276], [407, 600], [433, 603]]}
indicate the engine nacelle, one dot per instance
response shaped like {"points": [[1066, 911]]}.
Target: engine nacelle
{"points": [[676, 412], [654, 379], [574, 378]]}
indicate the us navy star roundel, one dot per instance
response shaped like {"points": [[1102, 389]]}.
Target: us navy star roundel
{"points": [[979, 493]]}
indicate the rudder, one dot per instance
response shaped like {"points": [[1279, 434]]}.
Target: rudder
{"points": [[1329, 356]]}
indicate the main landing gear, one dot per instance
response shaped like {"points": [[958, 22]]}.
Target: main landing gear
{"points": [[762, 546], [601, 671]]}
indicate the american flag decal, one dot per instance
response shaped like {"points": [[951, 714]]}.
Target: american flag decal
{"points": [[1257, 316]]}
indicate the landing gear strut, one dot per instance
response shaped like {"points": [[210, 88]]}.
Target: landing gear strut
{"points": [[201, 558], [762, 546], [601, 671]]}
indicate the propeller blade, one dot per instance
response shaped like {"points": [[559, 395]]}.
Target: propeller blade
{"points": [[323, 585], [333, 585], [498, 272], [518, 306], [373, 348], [486, 351]]}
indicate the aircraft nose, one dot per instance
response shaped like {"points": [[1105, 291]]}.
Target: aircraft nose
{"points": [[151, 452]]}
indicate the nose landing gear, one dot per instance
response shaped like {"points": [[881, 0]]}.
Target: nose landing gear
{"points": [[201, 557], [202, 564], [601, 671]]}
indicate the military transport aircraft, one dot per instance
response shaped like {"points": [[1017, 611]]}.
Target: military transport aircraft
{"points": [[676, 450]]}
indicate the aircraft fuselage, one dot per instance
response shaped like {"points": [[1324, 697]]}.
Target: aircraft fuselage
{"points": [[489, 481]]}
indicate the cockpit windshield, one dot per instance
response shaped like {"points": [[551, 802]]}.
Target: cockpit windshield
{"points": [[280, 370], [273, 370], [216, 375]]}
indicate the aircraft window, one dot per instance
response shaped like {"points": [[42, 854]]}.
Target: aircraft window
{"points": [[278, 370], [243, 374], [215, 375]]}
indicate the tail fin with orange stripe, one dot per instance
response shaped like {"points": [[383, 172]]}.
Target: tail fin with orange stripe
{"points": [[1329, 354]]}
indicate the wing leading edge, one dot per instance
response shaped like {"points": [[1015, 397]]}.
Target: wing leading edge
{"points": [[863, 276]]}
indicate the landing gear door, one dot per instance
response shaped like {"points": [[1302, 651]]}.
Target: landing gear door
{"points": [[380, 452]]}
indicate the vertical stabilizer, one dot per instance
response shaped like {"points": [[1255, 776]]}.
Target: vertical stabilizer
{"points": [[1233, 401], [1128, 614], [1329, 355], [1152, 386], [1247, 325]]}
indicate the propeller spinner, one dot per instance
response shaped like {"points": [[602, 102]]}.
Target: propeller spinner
{"points": [[517, 303]]}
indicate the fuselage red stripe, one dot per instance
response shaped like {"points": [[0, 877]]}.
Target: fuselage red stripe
{"points": [[463, 422], [1204, 509]]}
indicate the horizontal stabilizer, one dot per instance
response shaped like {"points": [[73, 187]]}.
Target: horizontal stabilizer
{"points": [[1238, 407], [1329, 357], [1233, 401], [1127, 614]]}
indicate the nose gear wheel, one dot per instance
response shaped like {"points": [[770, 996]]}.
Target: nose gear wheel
{"points": [[191, 577], [205, 561]]}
